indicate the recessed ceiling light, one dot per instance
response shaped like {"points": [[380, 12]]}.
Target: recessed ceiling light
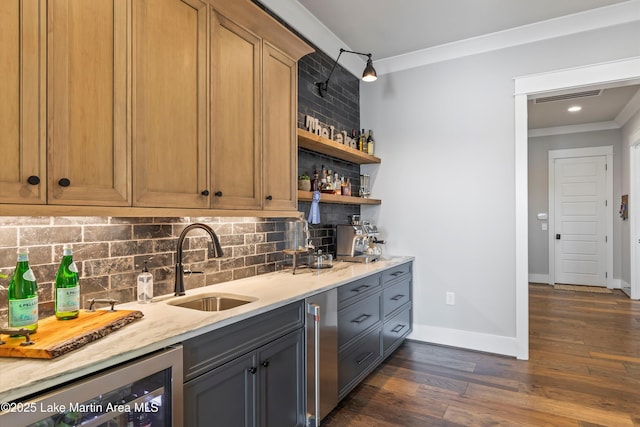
{"points": [[574, 109]]}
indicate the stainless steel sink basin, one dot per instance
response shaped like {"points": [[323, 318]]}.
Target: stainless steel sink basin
{"points": [[212, 302]]}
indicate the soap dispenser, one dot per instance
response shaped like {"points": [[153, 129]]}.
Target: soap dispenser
{"points": [[145, 285]]}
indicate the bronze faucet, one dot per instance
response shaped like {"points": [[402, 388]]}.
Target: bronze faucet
{"points": [[215, 251]]}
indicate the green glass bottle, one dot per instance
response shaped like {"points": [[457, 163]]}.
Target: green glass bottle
{"points": [[23, 295], [67, 287]]}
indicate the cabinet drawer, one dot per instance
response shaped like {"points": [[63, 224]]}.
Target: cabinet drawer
{"points": [[203, 353], [358, 361], [395, 329], [352, 292], [396, 273], [358, 318], [395, 296]]}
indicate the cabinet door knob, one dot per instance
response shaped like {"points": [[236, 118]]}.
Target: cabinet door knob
{"points": [[64, 182], [265, 363], [269, 197], [253, 370], [205, 192], [218, 194], [33, 180]]}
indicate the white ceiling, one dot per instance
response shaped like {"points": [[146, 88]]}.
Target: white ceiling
{"points": [[390, 29]]}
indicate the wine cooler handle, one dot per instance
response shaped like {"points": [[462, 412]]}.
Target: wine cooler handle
{"points": [[314, 310]]}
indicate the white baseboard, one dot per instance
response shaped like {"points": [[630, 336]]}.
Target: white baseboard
{"points": [[538, 278], [465, 339], [617, 283]]}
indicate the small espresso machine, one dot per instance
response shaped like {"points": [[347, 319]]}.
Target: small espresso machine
{"points": [[357, 242]]}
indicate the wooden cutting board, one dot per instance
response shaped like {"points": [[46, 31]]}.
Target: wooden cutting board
{"points": [[56, 337]]}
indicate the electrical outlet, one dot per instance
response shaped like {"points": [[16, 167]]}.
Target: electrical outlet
{"points": [[451, 298]]}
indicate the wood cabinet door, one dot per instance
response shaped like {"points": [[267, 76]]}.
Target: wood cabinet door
{"points": [[282, 382], [88, 140], [279, 137], [170, 104], [236, 145], [22, 102], [223, 397]]}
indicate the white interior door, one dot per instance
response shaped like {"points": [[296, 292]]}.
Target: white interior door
{"points": [[580, 225]]}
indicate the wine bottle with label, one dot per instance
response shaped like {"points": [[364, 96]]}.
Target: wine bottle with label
{"points": [[23, 295], [370, 143], [67, 287]]}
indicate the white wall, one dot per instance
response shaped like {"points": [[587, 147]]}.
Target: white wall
{"points": [[445, 133], [539, 193]]}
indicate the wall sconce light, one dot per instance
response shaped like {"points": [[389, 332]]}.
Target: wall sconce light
{"points": [[369, 74]]}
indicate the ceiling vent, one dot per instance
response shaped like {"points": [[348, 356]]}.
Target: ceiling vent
{"points": [[568, 96]]}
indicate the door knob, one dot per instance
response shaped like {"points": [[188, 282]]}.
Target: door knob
{"points": [[205, 192], [218, 194], [33, 180], [64, 182], [269, 197], [253, 370], [265, 363], [557, 236]]}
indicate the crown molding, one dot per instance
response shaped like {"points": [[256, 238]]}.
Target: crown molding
{"points": [[317, 33], [594, 19], [565, 130]]}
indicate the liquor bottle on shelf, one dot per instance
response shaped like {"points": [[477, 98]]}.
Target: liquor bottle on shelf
{"points": [[370, 143], [67, 287], [23, 295]]}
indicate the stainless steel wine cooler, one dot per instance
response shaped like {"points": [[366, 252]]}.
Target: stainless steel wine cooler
{"points": [[145, 392]]}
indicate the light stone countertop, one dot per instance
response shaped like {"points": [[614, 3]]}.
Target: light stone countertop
{"points": [[164, 324]]}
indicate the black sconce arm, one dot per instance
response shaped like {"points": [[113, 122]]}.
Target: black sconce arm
{"points": [[323, 86]]}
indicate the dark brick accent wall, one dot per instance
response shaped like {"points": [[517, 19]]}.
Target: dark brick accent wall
{"points": [[340, 107]]}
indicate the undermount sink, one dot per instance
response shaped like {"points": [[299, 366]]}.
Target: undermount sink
{"points": [[212, 302]]}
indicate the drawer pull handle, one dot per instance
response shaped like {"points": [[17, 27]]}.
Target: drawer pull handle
{"points": [[397, 273], [398, 328], [361, 288], [364, 358], [361, 318], [397, 297]]}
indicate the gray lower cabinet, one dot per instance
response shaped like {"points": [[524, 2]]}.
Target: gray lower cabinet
{"points": [[248, 374], [374, 317]]}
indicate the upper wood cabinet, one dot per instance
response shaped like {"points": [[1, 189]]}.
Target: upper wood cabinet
{"points": [[236, 115], [147, 108], [170, 104], [22, 98], [88, 141], [280, 85]]}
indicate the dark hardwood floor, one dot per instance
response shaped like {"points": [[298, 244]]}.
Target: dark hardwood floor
{"points": [[583, 370]]}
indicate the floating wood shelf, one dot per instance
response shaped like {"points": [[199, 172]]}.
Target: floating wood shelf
{"points": [[318, 144], [307, 196]]}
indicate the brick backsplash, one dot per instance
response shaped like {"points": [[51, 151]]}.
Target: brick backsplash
{"points": [[110, 252]]}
